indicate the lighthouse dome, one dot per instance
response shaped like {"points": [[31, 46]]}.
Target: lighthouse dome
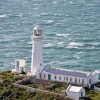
{"points": [[37, 27]]}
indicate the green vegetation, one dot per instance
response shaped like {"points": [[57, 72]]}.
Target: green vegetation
{"points": [[57, 87], [6, 78], [10, 92], [16, 93], [93, 95]]}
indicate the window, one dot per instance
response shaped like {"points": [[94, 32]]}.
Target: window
{"points": [[98, 76], [59, 77], [89, 81], [39, 75], [79, 80], [55, 77], [81, 94], [17, 64], [83, 81], [66, 78], [37, 33], [49, 76], [76, 80], [44, 75], [70, 79]]}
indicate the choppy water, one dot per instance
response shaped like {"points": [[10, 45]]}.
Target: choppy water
{"points": [[71, 30]]}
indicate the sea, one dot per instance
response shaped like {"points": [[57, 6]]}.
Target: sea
{"points": [[71, 31]]}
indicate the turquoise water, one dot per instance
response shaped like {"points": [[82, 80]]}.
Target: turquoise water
{"points": [[71, 30]]}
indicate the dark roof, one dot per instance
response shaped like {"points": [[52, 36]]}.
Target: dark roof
{"points": [[66, 72]]}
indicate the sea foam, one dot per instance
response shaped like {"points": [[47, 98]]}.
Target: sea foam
{"points": [[74, 45], [3, 16], [47, 45], [62, 34]]}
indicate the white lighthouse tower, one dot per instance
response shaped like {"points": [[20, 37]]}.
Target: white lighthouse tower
{"points": [[37, 51]]}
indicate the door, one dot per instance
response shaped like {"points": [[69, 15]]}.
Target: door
{"points": [[49, 77], [89, 81], [81, 94]]}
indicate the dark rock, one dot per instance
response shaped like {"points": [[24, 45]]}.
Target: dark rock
{"points": [[7, 93], [17, 95], [51, 97]]}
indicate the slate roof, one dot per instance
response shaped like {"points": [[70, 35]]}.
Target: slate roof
{"points": [[66, 72]]}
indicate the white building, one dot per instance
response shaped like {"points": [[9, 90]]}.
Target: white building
{"points": [[63, 75], [75, 92], [69, 76], [19, 65]]}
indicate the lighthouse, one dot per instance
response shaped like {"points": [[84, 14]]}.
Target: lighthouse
{"points": [[37, 51]]}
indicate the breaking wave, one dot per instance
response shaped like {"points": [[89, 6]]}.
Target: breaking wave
{"points": [[74, 45], [3, 16], [49, 21], [47, 45], [62, 34]]}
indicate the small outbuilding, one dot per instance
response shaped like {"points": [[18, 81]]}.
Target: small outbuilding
{"points": [[76, 92], [19, 66]]}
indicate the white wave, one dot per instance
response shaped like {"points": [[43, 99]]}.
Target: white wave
{"points": [[59, 23], [36, 8], [19, 15], [44, 13], [30, 42], [3, 16], [95, 44], [57, 14], [54, 2], [71, 2], [82, 14], [47, 45], [60, 43], [37, 4], [49, 21], [37, 15], [62, 34], [74, 45]]}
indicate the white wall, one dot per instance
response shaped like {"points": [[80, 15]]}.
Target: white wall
{"points": [[96, 88], [92, 77], [76, 95], [96, 76], [37, 55], [82, 90], [73, 95], [62, 78]]}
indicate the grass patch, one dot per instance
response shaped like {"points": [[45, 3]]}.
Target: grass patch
{"points": [[93, 95]]}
